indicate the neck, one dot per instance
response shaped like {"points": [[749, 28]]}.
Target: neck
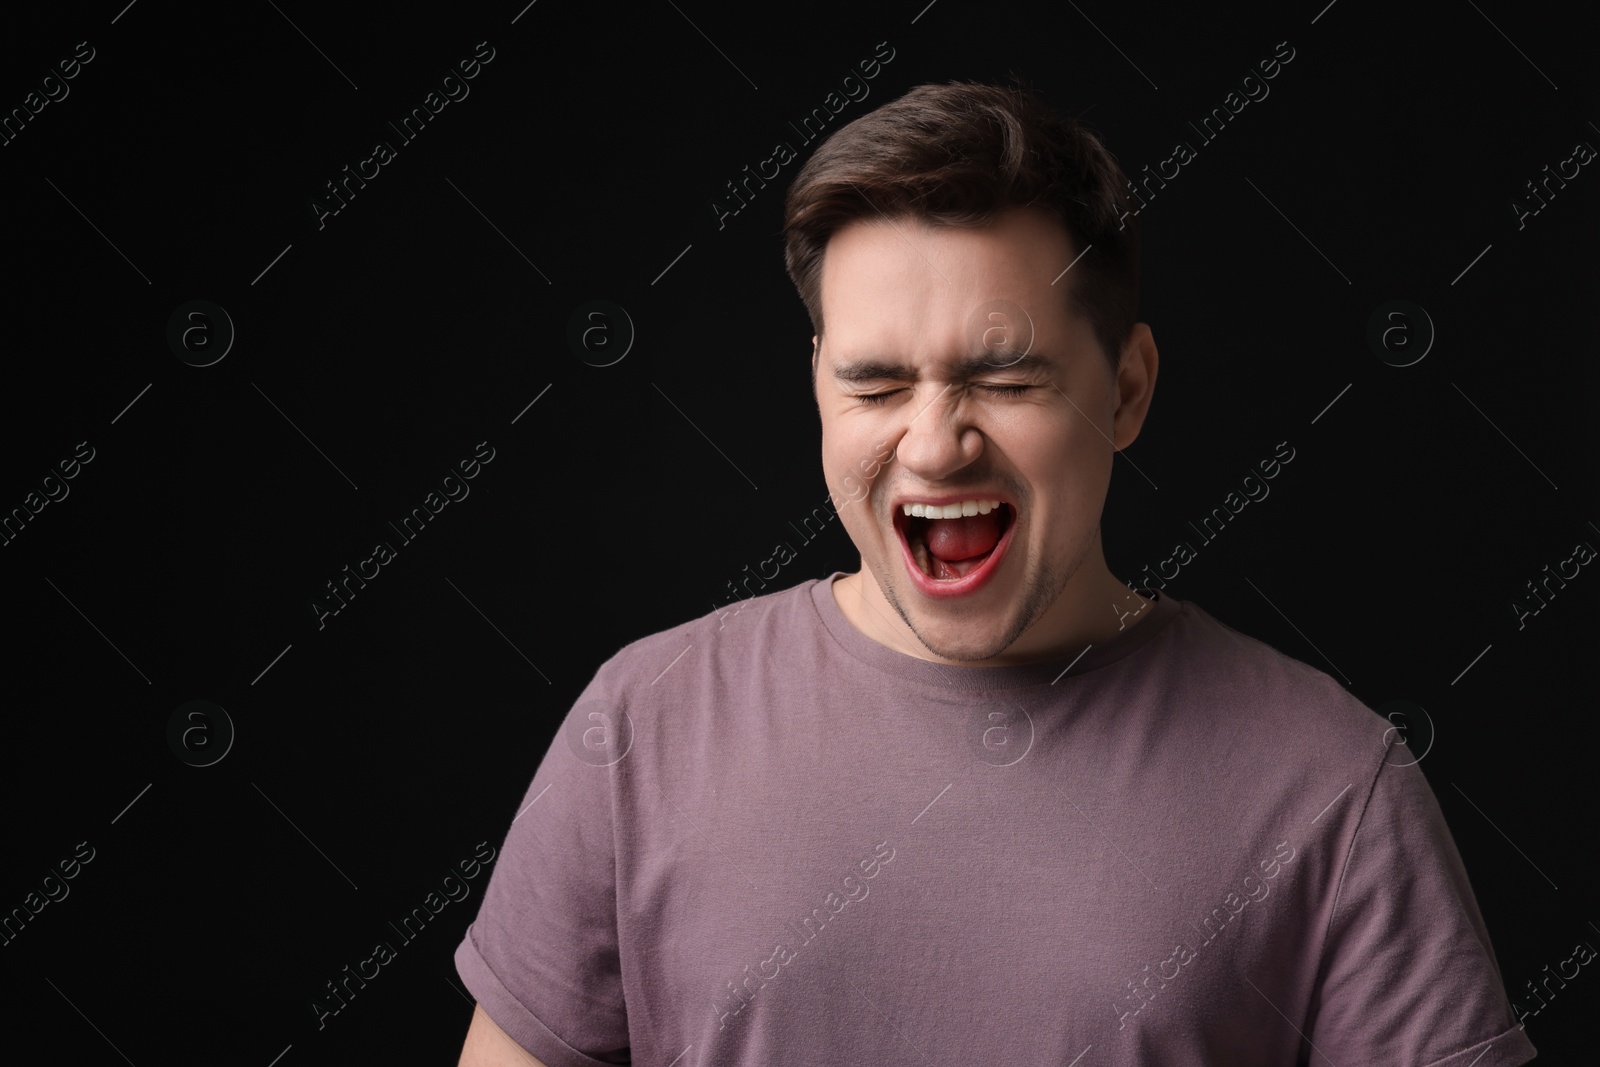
{"points": [[1093, 607]]}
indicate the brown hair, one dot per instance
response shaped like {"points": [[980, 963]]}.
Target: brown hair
{"points": [[959, 154]]}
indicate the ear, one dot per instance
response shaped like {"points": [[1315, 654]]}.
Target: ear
{"points": [[1135, 385], [816, 350]]}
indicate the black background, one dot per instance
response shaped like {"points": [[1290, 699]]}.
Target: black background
{"points": [[376, 751]]}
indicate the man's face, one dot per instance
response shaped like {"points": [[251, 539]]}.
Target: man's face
{"points": [[911, 314]]}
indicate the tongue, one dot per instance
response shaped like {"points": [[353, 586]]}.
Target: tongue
{"points": [[953, 540]]}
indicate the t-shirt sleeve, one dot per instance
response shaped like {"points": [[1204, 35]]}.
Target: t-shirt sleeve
{"points": [[542, 956], [1408, 974]]}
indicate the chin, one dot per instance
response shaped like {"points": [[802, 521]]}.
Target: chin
{"points": [[963, 651], [961, 639]]}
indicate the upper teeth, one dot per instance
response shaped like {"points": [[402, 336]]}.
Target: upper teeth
{"points": [[950, 511]]}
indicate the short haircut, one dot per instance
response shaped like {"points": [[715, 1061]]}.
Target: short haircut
{"points": [[960, 154]]}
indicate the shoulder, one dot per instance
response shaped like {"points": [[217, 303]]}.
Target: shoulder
{"points": [[673, 696], [737, 636], [1251, 688]]}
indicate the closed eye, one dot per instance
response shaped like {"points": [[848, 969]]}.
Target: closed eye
{"points": [[878, 399]]}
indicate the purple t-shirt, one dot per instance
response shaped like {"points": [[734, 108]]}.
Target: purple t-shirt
{"points": [[763, 838]]}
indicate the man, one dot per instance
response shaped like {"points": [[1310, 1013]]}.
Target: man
{"points": [[979, 802]]}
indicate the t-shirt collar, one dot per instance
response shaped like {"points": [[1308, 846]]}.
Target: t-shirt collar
{"points": [[943, 676]]}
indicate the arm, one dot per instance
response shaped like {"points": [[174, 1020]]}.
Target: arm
{"points": [[1404, 920], [489, 1046], [542, 959]]}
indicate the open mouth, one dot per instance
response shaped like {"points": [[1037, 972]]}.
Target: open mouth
{"points": [[954, 555]]}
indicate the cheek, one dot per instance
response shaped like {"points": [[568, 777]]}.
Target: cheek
{"points": [[1088, 455], [853, 518], [1051, 452], [847, 456], [1067, 480]]}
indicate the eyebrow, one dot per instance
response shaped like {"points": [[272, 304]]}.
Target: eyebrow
{"points": [[883, 370]]}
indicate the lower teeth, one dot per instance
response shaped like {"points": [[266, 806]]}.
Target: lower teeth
{"points": [[938, 569], [933, 566], [942, 571]]}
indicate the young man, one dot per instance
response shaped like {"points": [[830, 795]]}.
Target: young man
{"points": [[978, 802]]}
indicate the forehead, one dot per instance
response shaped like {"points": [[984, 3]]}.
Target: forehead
{"points": [[915, 280]]}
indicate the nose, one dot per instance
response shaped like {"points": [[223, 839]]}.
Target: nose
{"points": [[939, 438]]}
